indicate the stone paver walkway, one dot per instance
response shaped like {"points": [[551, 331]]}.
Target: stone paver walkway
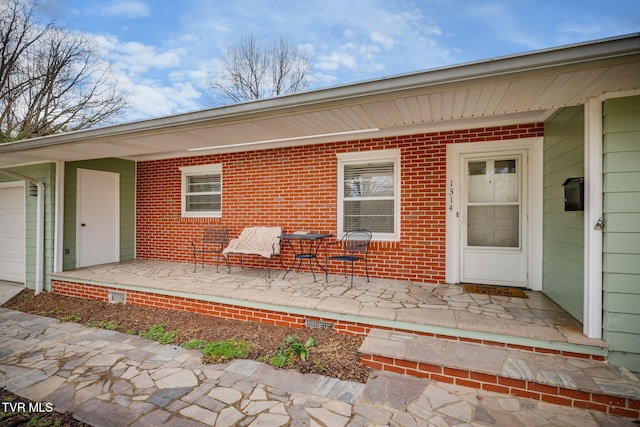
{"points": [[111, 379]]}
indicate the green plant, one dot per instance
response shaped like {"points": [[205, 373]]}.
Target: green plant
{"points": [[158, 333], [35, 421], [222, 350], [290, 349], [112, 326], [194, 344], [75, 317], [47, 313]]}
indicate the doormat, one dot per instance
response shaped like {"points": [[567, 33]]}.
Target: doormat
{"points": [[498, 291]]}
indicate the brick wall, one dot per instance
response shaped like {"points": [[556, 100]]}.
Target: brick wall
{"points": [[296, 188]]}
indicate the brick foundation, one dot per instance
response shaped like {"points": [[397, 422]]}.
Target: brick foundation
{"points": [[556, 395], [207, 308]]}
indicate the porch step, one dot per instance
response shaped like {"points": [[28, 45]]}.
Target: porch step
{"points": [[553, 378]]}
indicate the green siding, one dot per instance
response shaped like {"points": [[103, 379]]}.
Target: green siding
{"points": [[44, 172], [621, 244], [563, 235], [127, 171]]}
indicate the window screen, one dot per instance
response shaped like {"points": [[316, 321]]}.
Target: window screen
{"points": [[203, 193], [369, 197]]}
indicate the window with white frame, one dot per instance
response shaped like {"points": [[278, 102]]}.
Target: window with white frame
{"points": [[201, 191], [369, 193]]}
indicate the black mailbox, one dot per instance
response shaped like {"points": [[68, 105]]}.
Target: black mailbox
{"points": [[574, 194]]}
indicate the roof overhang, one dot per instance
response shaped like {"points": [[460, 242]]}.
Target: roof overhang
{"points": [[515, 89]]}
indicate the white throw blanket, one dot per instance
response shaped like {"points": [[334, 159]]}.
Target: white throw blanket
{"points": [[261, 241]]}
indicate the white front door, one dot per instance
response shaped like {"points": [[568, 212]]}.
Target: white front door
{"points": [[494, 213], [12, 232], [98, 217], [494, 218]]}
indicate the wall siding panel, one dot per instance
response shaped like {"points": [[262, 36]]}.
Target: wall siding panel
{"points": [[621, 244], [44, 172], [563, 257], [296, 188]]}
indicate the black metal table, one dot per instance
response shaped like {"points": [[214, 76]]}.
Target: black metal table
{"points": [[308, 246]]}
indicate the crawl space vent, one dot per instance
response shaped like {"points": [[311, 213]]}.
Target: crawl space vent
{"points": [[318, 324], [117, 297]]}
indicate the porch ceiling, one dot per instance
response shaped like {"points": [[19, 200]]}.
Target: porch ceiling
{"points": [[516, 89]]}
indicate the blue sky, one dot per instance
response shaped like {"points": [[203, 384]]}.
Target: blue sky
{"points": [[163, 52]]}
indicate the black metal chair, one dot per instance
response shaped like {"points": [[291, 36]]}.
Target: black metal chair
{"points": [[355, 247], [214, 240]]}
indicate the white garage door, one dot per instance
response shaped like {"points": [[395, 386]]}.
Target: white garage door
{"points": [[12, 232]]}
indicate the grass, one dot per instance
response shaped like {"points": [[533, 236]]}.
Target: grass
{"points": [[158, 333], [220, 350]]}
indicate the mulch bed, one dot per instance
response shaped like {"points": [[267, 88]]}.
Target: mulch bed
{"points": [[335, 356]]}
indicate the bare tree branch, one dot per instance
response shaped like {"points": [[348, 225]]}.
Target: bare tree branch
{"points": [[254, 70], [51, 80]]}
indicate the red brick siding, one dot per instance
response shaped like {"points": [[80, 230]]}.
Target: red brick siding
{"points": [[296, 188]]}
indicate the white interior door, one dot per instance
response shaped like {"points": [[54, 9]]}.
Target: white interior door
{"points": [[12, 232], [494, 215], [98, 219]]}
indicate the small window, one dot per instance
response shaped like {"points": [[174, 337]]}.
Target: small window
{"points": [[369, 193], [202, 191]]}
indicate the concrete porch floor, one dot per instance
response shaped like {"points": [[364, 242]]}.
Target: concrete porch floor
{"points": [[535, 321]]}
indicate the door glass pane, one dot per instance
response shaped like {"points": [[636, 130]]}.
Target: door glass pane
{"points": [[492, 181], [495, 226], [504, 166], [480, 188], [505, 181], [477, 168]]}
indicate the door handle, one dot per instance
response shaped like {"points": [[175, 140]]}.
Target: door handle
{"points": [[83, 225], [600, 224]]}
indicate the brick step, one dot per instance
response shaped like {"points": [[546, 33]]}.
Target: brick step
{"points": [[553, 378]]}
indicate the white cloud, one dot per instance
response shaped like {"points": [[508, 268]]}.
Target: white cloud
{"points": [[385, 41], [506, 24], [153, 98], [336, 60], [369, 39], [127, 9], [147, 74], [137, 58]]}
